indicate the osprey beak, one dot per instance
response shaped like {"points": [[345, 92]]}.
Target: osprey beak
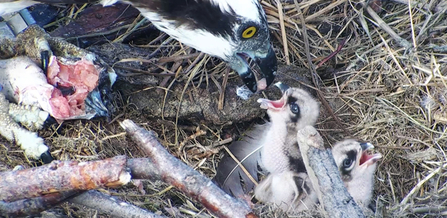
{"points": [[239, 64], [367, 159], [268, 65]]}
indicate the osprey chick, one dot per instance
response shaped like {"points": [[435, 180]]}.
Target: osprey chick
{"points": [[272, 145], [293, 192]]}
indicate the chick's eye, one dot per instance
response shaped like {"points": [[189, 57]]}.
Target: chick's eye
{"points": [[294, 108], [347, 163], [249, 32]]}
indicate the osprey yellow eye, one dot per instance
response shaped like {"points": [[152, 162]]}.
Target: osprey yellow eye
{"points": [[249, 32]]}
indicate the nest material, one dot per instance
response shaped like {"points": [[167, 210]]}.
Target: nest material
{"points": [[387, 86]]}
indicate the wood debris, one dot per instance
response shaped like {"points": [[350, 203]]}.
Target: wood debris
{"points": [[183, 177], [325, 176], [61, 176]]}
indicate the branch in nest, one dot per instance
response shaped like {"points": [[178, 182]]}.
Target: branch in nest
{"points": [[92, 199], [111, 205], [34, 205], [186, 179], [325, 176], [61, 176], [141, 168]]}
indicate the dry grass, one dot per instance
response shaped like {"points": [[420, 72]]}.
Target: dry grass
{"points": [[387, 85]]}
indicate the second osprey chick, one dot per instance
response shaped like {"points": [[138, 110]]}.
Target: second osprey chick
{"points": [[293, 192]]}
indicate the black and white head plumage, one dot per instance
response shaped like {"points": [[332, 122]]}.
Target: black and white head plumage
{"points": [[295, 110], [229, 29], [357, 168]]}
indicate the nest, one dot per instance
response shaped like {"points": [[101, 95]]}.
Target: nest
{"points": [[386, 85]]}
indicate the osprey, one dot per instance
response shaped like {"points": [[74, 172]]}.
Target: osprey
{"points": [[232, 30], [357, 168], [272, 145]]}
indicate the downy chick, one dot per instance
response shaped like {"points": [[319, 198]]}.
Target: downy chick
{"points": [[357, 168], [275, 140], [295, 110], [293, 191]]}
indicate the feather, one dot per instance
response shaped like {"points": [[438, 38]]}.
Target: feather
{"points": [[230, 176]]}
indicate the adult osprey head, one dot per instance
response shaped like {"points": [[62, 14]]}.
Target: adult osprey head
{"points": [[229, 29]]}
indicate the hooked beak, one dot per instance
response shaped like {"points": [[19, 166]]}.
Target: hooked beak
{"points": [[367, 159], [267, 63]]}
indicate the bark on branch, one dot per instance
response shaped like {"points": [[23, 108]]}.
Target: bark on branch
{"points": [[325, 176], [111, 205], [61, 176], [141, 168]]}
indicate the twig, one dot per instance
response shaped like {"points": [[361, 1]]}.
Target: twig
{"points": [[62, 176], [223, 142], [380, 23], [420, 184], [34, 205], [177, 58], [253, 180], [321, 13], [340, 46], [283, 31], [315, 78], [220, 106], [139, 72], [438, 210], [111, 205], [92, 199], [440, 7]]}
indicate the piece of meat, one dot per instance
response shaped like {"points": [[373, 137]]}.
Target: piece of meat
{"points": [[82, 76]]}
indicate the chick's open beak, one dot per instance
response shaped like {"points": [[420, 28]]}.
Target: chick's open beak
{"points": [[368, 159], [278, 104]]}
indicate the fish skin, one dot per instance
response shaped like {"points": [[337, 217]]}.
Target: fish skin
{"points": [[24, 82]]}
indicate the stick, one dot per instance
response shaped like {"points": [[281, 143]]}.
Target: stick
{"points": [[183, 177], [111, 205], [325, 177], [141, 168], [61, 176], [34, 205]]}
